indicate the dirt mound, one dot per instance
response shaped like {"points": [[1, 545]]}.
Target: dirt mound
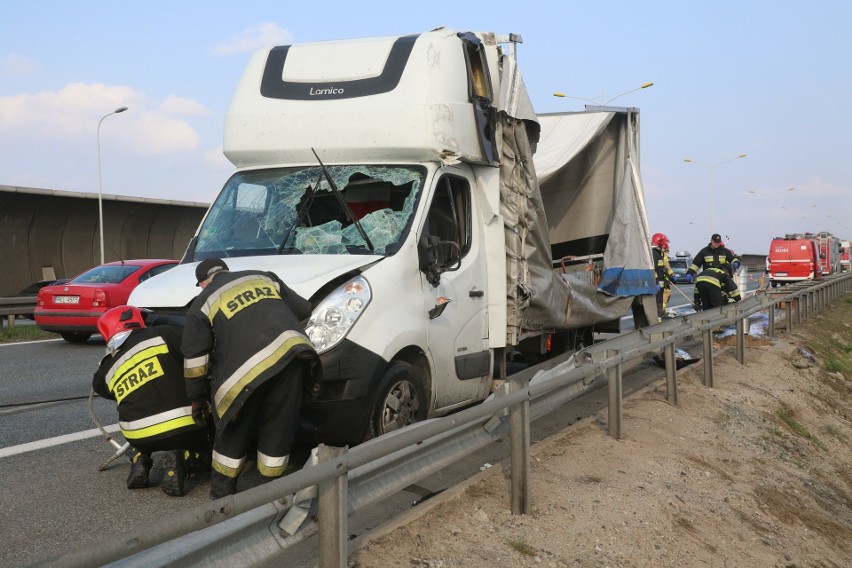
{"points": [[754, 472]]}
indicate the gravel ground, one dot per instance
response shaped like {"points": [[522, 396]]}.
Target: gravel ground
{"points": [[754, 472]]}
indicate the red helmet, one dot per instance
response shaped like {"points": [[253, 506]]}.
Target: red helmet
{"points": [[660, 240], [120, 318]]}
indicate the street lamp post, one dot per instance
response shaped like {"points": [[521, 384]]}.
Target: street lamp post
{"points": [[563, 95], [710, 168], [771, 209], [100, 191]]}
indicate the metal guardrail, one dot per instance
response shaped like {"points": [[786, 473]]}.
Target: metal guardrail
{"points": [[248, 529], [16, 306]]}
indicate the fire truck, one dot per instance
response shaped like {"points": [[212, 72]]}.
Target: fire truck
{"points": [[829, 252], [793, 258]]}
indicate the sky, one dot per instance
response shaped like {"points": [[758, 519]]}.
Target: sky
{"points": [[768, 79]]}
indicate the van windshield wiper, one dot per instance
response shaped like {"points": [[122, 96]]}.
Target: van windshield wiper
{"points": [[349, 214]]}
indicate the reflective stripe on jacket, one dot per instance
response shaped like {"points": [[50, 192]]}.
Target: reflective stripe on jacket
{"points": [[710, 257], [663, 271], [240, 331], [145, 378], [720, 279]]}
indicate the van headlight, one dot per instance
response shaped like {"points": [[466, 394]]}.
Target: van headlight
{"points": [[335, 315]]}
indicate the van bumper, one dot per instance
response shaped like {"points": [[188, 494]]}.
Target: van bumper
{"points": [[337, 409]]}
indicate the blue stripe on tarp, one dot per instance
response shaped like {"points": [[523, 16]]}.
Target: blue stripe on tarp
{"points": [[625, 282]]}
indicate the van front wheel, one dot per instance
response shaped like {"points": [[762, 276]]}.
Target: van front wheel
{"points": [[400, 401]]}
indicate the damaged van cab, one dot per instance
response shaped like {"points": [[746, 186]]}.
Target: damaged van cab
{"points": [[392, 182]]}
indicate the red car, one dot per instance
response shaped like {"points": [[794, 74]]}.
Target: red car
{"points": [[72, 309]]}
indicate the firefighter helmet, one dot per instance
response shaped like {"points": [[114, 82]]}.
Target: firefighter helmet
{"points": [[660, 240], [120, 318]]}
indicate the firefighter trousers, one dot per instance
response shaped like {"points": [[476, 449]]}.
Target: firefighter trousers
{"points": [[709, 295], [269, 418], [194, 440]]}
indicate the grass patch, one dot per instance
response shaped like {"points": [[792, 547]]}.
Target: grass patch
{"points": [[829, 337], [24, 333], [834, 365], [834, 432], [787, 418], [521, 545]]}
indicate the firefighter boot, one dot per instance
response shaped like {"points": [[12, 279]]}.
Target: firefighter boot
{"points": [[174, 474], [139, 469], [222, 485], [197, 462]]}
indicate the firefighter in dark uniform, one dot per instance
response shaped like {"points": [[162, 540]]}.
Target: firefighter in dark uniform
{"points": [[714, 287], [143, 372], [715, 254], [247, 355], [662, 269]]}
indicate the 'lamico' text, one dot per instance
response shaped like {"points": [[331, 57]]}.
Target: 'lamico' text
{"points": [[328, 91]]}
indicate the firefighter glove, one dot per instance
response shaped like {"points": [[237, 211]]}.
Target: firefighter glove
{"points": [[735, 265], [659, 288], [200, 411], [689, 277]]}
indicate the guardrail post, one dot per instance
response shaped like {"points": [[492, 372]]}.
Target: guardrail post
{"points": [[771, 313], [708, 357], [799, 309], [671, 372], [615, 396], [519, 421], [788, 315], [332, 503], [740, 341]]}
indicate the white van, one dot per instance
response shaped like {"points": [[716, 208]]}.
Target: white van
{"points": [[391, 181]]}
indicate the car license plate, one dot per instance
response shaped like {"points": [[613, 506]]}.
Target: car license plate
{"points": [[780, 274], [66, 300]]}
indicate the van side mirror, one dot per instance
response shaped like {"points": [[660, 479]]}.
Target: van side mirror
{"points": [[428, 263], [433, 257]]}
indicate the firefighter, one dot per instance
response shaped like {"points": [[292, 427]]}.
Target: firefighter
{"points": [[247, 355], [143, 372], [664, 273], [714, 287], [715, 254]]}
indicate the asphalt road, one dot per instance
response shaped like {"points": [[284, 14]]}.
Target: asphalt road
{"points": [[55, 498]]}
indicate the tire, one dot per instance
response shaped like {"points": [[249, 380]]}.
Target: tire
{"points": [[400, 400], [76, 337]]}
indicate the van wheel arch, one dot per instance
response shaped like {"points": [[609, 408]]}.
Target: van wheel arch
{"points": [[400, 399]]}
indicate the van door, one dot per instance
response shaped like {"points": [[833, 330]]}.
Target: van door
{"points": [[456, 297]]}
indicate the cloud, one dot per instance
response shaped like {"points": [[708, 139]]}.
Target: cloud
{"points": [[820, 187], [15, 65], [178, 105], [73, 113], [254, 38], [216, 158], [157, 133]]}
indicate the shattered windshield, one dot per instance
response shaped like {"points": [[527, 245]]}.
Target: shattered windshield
{"points": [[294, 211]]}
